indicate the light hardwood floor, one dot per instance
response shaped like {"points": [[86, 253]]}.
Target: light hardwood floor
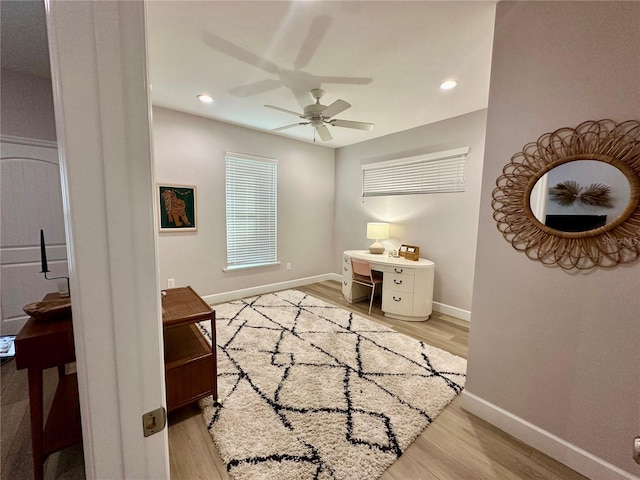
{"points": [[456, 446]]}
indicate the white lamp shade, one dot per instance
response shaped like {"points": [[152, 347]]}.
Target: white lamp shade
{"points": [[377, 231]]}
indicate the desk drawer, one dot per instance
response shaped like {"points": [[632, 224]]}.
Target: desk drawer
{"points": [[398, 282], [346, 288], [398, 303], [346, 268], [399, 270]]}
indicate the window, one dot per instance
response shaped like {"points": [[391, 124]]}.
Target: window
{"points": [[252, 204], [431, 173]]}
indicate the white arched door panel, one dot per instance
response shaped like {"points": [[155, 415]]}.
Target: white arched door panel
{"points": [[30, 200]]}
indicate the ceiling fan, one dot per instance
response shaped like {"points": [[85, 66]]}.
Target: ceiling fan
{"points": [[319, 116]]}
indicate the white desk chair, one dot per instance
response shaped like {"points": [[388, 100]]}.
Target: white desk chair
{"points": [[361, 273]]}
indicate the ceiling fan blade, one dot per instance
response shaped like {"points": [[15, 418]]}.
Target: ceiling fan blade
{"points": [[285, 110], [255, 88], [225, 46], [324, 133], [347, 80], [352, 124], [290, 126], [316, 33], [335, 108]]}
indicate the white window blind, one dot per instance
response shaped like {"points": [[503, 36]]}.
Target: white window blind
{"points": [[251, 210], [438, 172]]}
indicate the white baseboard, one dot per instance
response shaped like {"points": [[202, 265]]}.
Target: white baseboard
{"points": [[453, 311], [274, 287], [574, 457], [262, 289]]}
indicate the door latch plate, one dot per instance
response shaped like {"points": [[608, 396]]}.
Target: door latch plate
{"points": [[154, 421]]}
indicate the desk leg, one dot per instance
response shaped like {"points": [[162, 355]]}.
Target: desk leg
{"points": [[36, 411]]}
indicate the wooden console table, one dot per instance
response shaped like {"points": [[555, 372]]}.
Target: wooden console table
{"points": [[190, 362], [41, 345]]}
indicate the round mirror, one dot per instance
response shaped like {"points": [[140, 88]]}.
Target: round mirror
{"points": [[580, 196], [572, 198]]}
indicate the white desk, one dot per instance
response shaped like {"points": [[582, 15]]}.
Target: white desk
{"points": [[407, 285]]}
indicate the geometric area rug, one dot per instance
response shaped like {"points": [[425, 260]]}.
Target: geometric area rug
{"points": [[312, 391]]}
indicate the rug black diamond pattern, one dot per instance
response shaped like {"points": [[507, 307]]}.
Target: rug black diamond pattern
{"points": [[313, 391]]}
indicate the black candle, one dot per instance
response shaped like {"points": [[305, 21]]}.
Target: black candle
{"points": [[43, 254]]}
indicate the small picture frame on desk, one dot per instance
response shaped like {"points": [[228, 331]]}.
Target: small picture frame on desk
{"points": [[410, 252]]}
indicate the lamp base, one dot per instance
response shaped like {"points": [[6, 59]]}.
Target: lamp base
{"points": [[376, 247]]}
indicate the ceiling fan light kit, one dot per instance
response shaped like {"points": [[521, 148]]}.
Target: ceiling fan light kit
{"points": [[319, 116]]}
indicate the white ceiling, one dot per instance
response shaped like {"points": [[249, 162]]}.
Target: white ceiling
{"points": [[386, 58]]}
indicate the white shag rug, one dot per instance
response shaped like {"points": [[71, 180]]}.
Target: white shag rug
{"points": [[313, 391]]}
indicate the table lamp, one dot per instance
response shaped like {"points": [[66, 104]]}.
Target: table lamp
{"points": [[377, 231]]}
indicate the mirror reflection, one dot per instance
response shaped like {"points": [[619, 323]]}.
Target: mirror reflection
{"points": [[580, 196]]}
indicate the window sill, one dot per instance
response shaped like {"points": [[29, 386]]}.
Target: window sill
{"points": [[232, 268]]}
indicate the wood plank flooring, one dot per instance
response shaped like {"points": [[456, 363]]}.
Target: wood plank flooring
{"points": [[456, 446]]}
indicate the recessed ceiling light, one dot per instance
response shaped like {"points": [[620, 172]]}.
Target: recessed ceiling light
{"points": [[448, 85], [205, 98]]}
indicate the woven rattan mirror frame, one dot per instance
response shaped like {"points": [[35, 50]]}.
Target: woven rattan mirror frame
{"points": [[617, 144]]}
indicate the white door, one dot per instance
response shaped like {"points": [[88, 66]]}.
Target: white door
{"points": [[31, 200], [99, 77]]}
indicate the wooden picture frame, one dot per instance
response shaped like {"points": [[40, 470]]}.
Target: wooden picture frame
{"points": [[410, 252], [177, 207]]}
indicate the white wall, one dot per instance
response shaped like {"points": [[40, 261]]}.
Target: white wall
{"points": [[557, 354], [26, 106], [443, 225], [190, 150]]}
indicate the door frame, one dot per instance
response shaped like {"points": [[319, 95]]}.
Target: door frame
{"points": [[103, 125]]}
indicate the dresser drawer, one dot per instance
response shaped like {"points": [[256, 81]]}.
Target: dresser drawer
{"points": [[398, 282], [397, 303]]}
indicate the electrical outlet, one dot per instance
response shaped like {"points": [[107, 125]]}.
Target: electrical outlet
{"points": [[288, 266], [171, 283]]}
